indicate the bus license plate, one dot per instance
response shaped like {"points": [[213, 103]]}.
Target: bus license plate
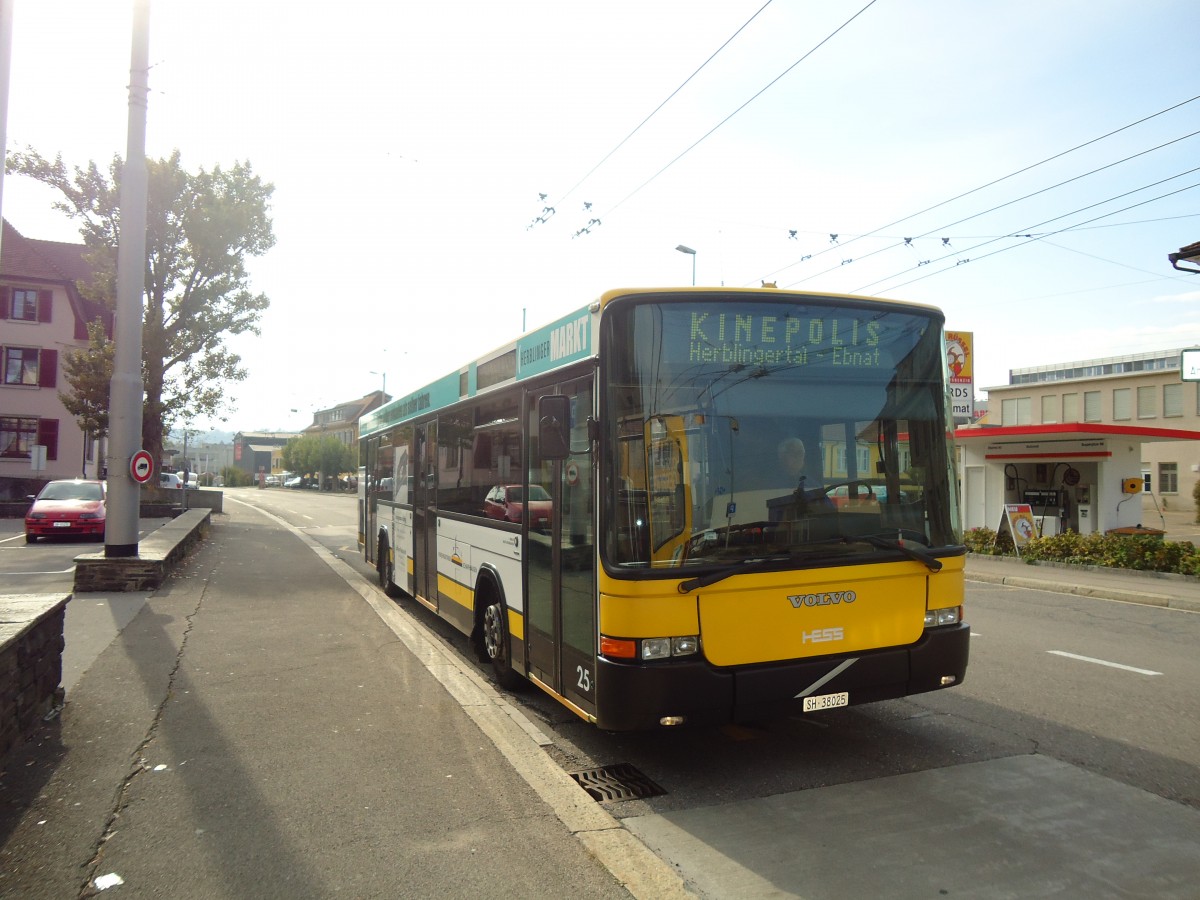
{"points": [[826, 701]]}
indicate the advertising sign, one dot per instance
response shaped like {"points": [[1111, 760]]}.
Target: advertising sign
{"points": [[1189, 364], [1018, 521], [960, 361]]}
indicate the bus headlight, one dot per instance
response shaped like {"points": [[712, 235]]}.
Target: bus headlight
{"points": [[685, 646], [666, 647], [656, 648], [648, 649], [951, 615]]}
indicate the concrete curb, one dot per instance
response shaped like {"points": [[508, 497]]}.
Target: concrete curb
{"points": [[1058, 584]]}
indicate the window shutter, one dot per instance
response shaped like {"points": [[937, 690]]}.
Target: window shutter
{"points": [[48, 436], [5, 302], [45, 305], [80, 329], [48, 369]]}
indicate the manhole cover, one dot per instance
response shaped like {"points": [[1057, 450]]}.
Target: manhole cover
{"points": [[619, 782]]}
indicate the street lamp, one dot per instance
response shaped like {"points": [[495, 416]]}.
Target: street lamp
{"points": [[1188, 254], [384, 374], [692, 253]]}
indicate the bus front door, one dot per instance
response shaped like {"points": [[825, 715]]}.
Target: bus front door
{"points": [[560, 560], [425, 572]]}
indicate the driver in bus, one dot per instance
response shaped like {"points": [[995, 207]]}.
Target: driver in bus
{"points": [[805, 501]]}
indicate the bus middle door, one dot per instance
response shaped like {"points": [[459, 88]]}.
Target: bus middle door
{"points": [[425, 568], [560, 574]]}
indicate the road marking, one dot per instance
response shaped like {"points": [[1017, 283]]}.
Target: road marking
{"points": [[1103, 662]]}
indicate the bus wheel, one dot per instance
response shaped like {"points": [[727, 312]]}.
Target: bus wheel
{"points": [[498, 646]]}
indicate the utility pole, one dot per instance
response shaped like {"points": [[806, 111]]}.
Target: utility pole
{"points": [[125, 393]]}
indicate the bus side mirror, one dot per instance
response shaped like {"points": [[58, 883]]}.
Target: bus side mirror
{"points": [[554, 426]]}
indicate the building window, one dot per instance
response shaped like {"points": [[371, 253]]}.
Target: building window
{"points": [[20, 365], [1168, 478], [1172, 400], [1122, 404], [24, 306], [1147, 401], [1050, 409], [1091, 406], [864, 460], [18, 435], [1070, 407], [1017, 411]]}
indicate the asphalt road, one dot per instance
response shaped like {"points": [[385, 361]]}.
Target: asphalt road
{"points": [[1068, 763]]}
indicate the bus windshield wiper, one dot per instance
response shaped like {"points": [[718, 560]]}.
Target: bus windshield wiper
{"points": [[912, 551], [743, 565]]}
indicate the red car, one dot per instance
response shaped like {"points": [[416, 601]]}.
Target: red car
{"points": [[506, 502], [67, 507]]}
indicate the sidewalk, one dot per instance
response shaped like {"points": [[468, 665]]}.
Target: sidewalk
{"points": [[1151, 588], [260, 729]]}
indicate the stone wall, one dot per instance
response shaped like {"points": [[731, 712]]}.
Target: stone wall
{"points": [[31, 647], [158, 553]]}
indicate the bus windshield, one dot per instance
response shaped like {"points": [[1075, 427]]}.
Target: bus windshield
{"points": [[812, 430]]}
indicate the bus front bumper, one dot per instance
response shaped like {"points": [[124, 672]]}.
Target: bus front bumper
{"points": [[632, 697]]}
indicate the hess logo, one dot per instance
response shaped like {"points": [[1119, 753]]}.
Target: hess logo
{"points": [[822, 635]]}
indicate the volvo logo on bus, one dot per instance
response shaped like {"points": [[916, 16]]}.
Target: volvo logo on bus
{"points": [[828, 599]]}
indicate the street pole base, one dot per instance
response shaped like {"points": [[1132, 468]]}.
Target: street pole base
{"points": [[121, 551]]}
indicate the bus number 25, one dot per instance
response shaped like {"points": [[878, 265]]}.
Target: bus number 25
{"points": [[584, 682]]}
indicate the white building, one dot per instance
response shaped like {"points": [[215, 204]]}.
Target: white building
{"points": [[1069, 437]]}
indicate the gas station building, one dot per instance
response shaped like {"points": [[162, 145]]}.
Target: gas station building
{"points": [[1091, 446]]}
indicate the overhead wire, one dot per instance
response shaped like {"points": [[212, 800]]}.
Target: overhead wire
{"points": [[942, 228], [758, 94], [994, 182], [656, 110], [1048, 234]]}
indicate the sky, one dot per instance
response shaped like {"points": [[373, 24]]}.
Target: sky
{"points": [[1025, 165]]}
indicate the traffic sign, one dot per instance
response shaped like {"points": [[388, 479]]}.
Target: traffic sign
{"points": [[141, 467]]}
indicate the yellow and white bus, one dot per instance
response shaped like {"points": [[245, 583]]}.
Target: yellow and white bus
{"points": [[686, 505]]}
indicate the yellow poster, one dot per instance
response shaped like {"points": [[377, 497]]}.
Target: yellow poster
{"points": [[1018, 519], [960, 355]]}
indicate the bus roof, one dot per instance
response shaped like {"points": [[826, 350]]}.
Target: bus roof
{"points": [[564, 341]]}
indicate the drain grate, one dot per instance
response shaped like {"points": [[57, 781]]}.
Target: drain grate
{"points": [[619, 782]]}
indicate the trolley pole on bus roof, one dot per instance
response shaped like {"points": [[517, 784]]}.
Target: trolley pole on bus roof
{"points": [[125, 391]]}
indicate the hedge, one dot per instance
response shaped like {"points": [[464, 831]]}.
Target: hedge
{"points": [[1147, 553]]}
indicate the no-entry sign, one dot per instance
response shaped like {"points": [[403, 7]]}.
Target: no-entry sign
{"points": [[141, 467]]}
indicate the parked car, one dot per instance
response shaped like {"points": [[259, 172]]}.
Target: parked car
{"points": [[170, 480], [295, 481], [507, 501], [69, 507], [863, 493], [274, 481]]}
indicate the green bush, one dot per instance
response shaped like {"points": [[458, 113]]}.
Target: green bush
{"points": [[1147, 553], [981, 540], [235, 477]]}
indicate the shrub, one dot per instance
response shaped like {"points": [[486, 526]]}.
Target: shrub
{"points": [[1147, 553], [235, 477]]}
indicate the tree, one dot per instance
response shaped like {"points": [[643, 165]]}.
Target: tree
{"points": [[89, 373], [200, 228], [324, 455]]}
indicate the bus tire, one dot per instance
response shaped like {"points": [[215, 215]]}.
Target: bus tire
{"points": [[497, 644], [385, 565]]}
